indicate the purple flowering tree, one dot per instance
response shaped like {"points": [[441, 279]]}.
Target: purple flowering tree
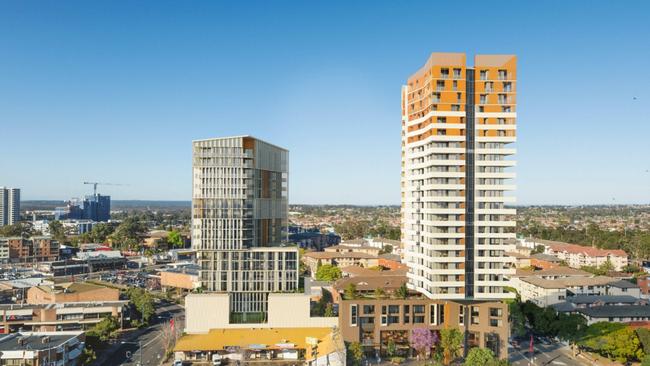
{"points": [[422, 340]]}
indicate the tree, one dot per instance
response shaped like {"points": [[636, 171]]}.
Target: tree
{"points": [[646, 361], [101, 232], [20, 229], [517, 319], [350, 291], [329, 310], [403, 291], [88, 356], [57, 231], [143, 303], [571, 327], [479, 357], [613, 340], [175, 240], [422, 340], [380, 293], [391, 348], [105, 329], [386, 249], [644, 338], [451, 340], [538, 249], [328, 272], [127, 235], [355, 353]]}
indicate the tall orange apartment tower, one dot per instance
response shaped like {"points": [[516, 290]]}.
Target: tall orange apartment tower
{"points": [[458, 124]]}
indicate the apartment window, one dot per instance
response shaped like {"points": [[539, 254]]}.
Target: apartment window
{"points": [[444, 73], [433, 314], [418, 309], [483, 99], [497, 312], [496, 322], [454, 85], [455, 107], [353, 315], [475, 315], [483, 74], [461, 315], [418, 319], [457, 73], [440, 85], [369, 309]]}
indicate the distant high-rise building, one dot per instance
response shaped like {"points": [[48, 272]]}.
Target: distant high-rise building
{"points": [[240, 222], [94, 207], [457, 124], [9, 206], [97, 208]]}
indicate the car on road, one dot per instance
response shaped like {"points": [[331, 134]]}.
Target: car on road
{"points": [[178, 363]]}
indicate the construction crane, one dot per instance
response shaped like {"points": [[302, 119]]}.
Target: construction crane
{"points": [[103, 184]]}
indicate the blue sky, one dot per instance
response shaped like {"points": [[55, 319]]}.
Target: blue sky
{"points": [[116, 91]]}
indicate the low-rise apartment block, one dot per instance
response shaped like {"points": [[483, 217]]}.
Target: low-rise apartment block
{"points": [[28, 250], [553, 286], [577, 256], [339, 259]]}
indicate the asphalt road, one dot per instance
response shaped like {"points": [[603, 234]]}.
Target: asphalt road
{"points": [[151, 340], [555, 354]]}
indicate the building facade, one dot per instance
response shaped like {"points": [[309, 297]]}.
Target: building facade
{"points": [[240, 222], [9, 206], [376, 322], [457, 126], [25, 250]]}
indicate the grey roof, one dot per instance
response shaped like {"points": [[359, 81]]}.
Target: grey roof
{"points": [[608, 311], [391, 256], [563, 307], [34, 341], [590, 299], [623, 284], [546, 257]]}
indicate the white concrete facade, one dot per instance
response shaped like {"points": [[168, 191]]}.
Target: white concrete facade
{"points": [[210, 311], [455, 223]]}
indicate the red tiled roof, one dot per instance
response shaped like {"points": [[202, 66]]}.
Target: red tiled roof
{"points": [[558, 246]]}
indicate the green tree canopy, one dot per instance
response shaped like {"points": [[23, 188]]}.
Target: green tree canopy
{"points": [[451, 340], [355, 353], [57, 231], [328, 272], [143, 303], [175, 240], [402, 291], [479, 357], [350, 291]]}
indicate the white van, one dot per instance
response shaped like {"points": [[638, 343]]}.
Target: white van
{"points": [[216, 359]]}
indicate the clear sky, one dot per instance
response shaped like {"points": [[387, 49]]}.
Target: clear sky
{"points": [[115, 91]]}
